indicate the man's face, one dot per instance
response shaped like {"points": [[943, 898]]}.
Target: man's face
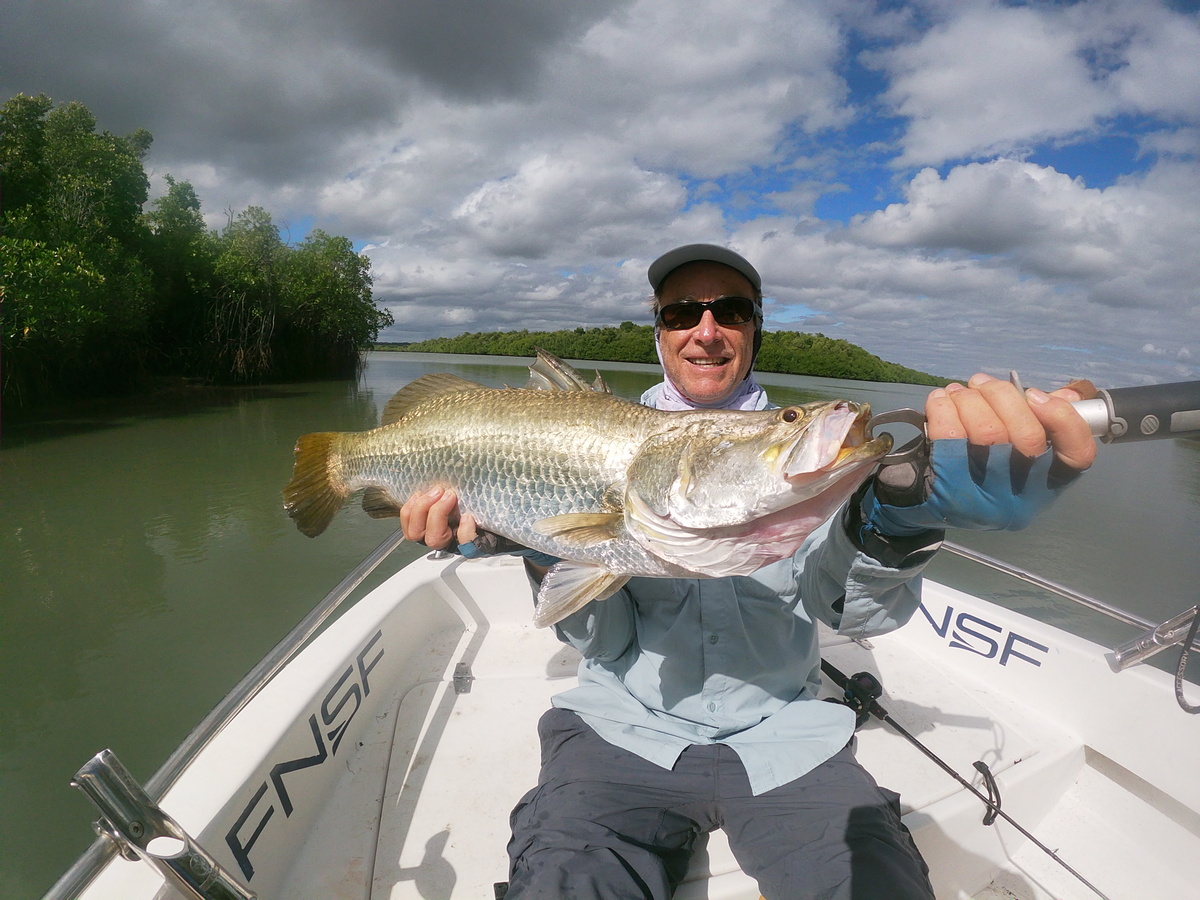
{"points": [[707, 362]]}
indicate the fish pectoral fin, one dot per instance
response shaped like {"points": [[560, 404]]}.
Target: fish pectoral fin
{"points": [[581, 529], [569, 586], [379, 504]]}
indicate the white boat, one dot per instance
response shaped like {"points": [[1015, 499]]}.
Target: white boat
{"points": [[382, 758]]}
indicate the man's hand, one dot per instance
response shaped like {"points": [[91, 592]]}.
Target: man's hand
{"points": [[987, 467], [988, 411], [432, 518]]}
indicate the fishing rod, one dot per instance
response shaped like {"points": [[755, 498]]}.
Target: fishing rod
{"points": [[861, 693]]}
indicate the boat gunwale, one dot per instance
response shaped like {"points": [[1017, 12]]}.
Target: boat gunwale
{"points": [[102, 850]]}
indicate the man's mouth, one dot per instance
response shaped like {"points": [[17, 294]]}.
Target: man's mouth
{"points": [[706, 362]]}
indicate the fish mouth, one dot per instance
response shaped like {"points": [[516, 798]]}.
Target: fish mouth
{"points": [[836, 440]]}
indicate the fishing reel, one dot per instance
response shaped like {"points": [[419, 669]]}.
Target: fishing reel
{"points": [[860, 691]]}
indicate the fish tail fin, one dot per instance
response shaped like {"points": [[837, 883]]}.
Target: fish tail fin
{"points": [[570, 586], [317, 490]]}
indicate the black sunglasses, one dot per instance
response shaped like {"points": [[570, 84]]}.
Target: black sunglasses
{"points": [[688, 313]]}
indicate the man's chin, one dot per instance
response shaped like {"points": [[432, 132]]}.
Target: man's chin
{"points": [[704, 390]]}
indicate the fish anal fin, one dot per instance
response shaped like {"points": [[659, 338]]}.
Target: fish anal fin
{"points": [[379, 504], [424, 388], [582, 529], [570, 586], [316, 491]]}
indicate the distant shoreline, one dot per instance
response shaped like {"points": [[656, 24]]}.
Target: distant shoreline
{"points": [[782, 352]]}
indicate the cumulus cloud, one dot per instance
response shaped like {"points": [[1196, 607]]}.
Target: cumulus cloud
{"points": [[990, 80], [603, 205], [996, 79], [1131, 244]]}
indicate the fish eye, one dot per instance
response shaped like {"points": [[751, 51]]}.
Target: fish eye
{"points": [[791, 414]]}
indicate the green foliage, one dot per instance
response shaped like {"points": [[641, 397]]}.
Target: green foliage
{"points": [[249, 270], [182, 254], [329, 315], [799, 353], [98, 295], [75, 293], [626, 343], [782, 351]]}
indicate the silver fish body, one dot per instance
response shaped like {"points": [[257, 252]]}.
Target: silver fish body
{"points": [[613, 488]]}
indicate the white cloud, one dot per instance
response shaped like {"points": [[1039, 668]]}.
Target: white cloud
{"points": [[1132, 244], [992, 79], [601, 202], [1162, 65]]}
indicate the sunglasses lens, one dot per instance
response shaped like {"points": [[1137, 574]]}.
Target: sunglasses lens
{"points": [[687, 314], [732, 310], [678, 316]]}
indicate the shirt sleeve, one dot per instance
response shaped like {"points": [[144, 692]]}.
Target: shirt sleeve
{"points": [[852, 591]]}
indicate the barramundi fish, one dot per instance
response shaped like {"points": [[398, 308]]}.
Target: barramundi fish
{"points": [[611, 487]]}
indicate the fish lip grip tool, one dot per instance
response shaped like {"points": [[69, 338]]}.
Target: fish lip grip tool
{"points": [[912, 449]]}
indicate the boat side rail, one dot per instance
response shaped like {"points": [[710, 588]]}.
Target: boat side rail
{"points": [[1154, 638], [76, 878]]}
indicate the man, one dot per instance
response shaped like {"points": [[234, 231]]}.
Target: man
{"points": [[696, 707]]}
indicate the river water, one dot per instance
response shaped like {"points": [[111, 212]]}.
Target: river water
{"points": [[146, 564]]}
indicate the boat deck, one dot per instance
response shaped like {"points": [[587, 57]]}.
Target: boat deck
{"points": [[383, 761], [487, 757]]}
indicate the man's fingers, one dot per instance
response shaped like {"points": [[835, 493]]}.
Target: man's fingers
{"points": [[414, 512], [468, 529], [1066, 429], [989, 411], [941, 417], [1023, 429], [426, 517], [439, 524], [958, 412]]}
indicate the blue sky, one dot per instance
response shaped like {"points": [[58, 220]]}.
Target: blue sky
{"points": [[953, 184]]}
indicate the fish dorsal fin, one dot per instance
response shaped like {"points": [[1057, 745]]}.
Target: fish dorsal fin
{"points": [[549, 373], [424, 388], [570, 586], [581, 529]]}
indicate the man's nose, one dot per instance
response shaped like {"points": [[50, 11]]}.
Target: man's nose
{"points": [[706, 328]]}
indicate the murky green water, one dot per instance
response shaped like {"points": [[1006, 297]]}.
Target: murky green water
{"points": [[146, 564]]}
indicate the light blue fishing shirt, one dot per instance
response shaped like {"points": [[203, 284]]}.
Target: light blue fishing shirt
{"points": [[674, 662]]}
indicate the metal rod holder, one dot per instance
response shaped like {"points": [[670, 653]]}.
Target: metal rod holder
{"points": [[141, 830], [75, 879], [1168, 634]]}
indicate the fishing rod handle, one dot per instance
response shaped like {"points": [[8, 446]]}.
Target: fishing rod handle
{"points": [[1155, 411]]}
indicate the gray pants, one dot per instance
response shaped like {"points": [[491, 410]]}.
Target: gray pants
{"points": [[604, 823]]}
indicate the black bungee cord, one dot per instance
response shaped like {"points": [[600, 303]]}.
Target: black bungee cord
{"points": [[1183, 661]]}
